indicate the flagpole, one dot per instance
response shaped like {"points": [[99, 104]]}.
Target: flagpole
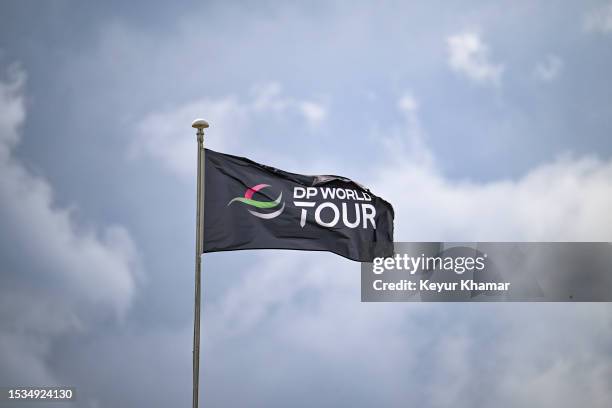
{"points": [[200, 125]]}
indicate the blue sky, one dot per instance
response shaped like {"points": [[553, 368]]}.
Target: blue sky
{"points": [[477, 121]]}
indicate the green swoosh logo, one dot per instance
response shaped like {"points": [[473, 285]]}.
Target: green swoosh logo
{"points": [[258, 204]]}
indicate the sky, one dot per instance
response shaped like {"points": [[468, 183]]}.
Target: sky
{"points": [[478, 121]]}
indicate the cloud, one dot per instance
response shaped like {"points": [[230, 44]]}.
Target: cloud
{"points": [[565, 199], [562, 200], [58, 275], [469, 55], [269, 98], [599, 20], [231, 116], [409, 135], [408, 104], [314, 112], [549, 69]]}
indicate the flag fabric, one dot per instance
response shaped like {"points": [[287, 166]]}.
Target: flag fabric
{"points": [[253, 206]]}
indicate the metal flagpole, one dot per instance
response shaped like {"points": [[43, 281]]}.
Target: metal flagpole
{"points": [[200, 125]]}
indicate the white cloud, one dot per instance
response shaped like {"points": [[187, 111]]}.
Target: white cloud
{"points": [[13, 112], [469, 55], [599, 20], [268, 97], [231, 117], [167, 136], [407, 103], [409, 135], [314, 112], [563, 200], [85, 273], [549, 69], [566, 199]]}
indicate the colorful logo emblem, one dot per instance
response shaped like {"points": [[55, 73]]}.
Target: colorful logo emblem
{"points": [[262, 205]]}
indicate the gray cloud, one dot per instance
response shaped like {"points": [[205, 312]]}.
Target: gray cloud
{"points": [[548, 69], [599, 19], [57, 274]]}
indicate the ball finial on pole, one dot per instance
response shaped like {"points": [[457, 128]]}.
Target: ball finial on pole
{"points": [[199, 124]]}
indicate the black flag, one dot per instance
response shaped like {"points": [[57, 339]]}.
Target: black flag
{"points": [[253, 206]]}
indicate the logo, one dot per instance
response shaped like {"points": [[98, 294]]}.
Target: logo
{"points": [[262, 205]]}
